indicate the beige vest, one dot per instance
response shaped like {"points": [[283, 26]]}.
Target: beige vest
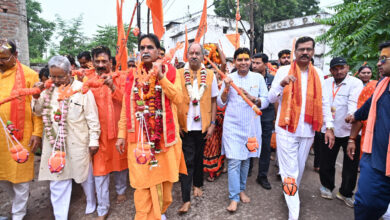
{"points": [[205, 101]]}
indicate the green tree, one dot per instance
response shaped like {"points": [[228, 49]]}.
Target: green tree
{"points": [[266, 11], [72, 39], [39, 30], [107, 35], [358, 27]]}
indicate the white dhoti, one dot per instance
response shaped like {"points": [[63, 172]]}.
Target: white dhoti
{"points": [[102, 184], [19, 194], [89, 190], [292, 154]]}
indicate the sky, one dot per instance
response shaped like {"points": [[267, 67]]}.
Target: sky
{"points": [[103, 12]]}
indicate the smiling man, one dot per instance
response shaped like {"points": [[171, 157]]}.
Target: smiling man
{"points": [[302, 109], [240, 123]]}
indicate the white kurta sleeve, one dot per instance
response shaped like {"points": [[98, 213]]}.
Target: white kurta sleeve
{"points": [[354, 93], [92, 117], [263, 93], [37, 105], [220, 103], [276, 91], [326, 111]]}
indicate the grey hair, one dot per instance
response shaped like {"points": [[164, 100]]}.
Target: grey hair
{"points": [[201, 48], [60, 62]]}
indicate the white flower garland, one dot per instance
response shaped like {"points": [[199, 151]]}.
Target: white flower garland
{"points": [[194, 95]]}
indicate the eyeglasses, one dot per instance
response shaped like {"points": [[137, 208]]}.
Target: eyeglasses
{"points": [[58, 77], [3, 60], [303, 49], [383, 60]]}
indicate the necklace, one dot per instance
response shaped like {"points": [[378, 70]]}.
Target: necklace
{"points": [[57, 141], [194, 94]]}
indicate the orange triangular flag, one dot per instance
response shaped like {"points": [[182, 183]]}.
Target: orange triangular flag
{"points": [[185, 58], [121, 49], [202, 29], [233, 39], [156, 7]]}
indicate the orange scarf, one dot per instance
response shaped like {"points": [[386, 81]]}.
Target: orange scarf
{"points": [[18, 106], [292, 101], [367, 145]]}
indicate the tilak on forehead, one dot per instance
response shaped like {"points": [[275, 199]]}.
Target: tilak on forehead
{"points": [[4, 45], [101, 58], [385, 52], [243, 56]]}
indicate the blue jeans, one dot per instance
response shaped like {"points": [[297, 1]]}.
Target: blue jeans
{"points": [[237, 175], [373, 194]]}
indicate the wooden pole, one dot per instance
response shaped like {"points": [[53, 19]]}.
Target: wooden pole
{"points": [[139, 20], [148, 19]]}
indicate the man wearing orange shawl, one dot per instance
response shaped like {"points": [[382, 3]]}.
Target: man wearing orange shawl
{"points": [[373, 194], [107, 159], [155, 156], [15, 177], [302, 109]]}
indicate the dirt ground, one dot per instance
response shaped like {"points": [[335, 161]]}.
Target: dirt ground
{"points": [[265, 204]]}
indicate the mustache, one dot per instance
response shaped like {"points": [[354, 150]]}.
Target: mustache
{"points": [[145, 55], [305, 55]]}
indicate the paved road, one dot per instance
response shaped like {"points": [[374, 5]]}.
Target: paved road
{"points": [[264, 204]]}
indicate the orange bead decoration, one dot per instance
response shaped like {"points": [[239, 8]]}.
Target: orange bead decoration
{"points": [[289, 186], [252, 144]]}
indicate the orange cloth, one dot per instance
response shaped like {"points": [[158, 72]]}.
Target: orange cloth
{"points": [[170, 163], [156, 7], [366, 93], [109, 104], [202, 29], [292, 101], [121, 54], [367, 144], [185, 58], [150, 203], [9, 169]]}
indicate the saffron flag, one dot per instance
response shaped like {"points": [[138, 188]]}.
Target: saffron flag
{"points": [[185, 58], [202, 29], [234, 39], [121, 49], [156, 8]]}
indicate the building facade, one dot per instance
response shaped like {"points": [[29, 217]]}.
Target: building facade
{"points": [[13, 25]]}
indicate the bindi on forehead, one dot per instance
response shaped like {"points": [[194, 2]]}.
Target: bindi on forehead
{"points": [[243, 56]]}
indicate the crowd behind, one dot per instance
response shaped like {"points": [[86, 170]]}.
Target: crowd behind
{"points": [[155, 123]]}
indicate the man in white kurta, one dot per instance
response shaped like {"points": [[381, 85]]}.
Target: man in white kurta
{"points": [[293, 148], [83, 128]]}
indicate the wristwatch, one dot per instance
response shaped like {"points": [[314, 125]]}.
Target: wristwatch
{"points": [[213, 123]]}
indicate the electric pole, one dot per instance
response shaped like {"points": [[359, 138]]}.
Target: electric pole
{"points": [[252, 35]]}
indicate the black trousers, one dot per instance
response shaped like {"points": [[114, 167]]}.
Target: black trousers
{"points": [[350, 167], [266, 127], [193, 146], [317, 147]]}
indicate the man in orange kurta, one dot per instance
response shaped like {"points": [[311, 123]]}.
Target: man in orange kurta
{"points": [[15, 177], [153, 184], [107, 159]]}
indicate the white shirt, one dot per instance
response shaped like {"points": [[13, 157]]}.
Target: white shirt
{"points": [[344, 103], [276, 93], [193, 125]]}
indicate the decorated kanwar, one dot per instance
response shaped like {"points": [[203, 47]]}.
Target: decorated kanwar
{"points": [[149, 125]]}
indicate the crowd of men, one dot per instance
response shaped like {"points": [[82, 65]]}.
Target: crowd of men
{"points": [[156, 124]]}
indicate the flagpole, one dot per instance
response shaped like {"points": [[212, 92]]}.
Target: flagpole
{"points": [[139, 20], [148, 19]]}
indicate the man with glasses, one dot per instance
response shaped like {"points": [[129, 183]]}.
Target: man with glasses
{"points": [[303, 109], [15, 177], [373, 194]]}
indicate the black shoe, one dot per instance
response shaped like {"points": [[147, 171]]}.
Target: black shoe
{"points": [[264, 183]]}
